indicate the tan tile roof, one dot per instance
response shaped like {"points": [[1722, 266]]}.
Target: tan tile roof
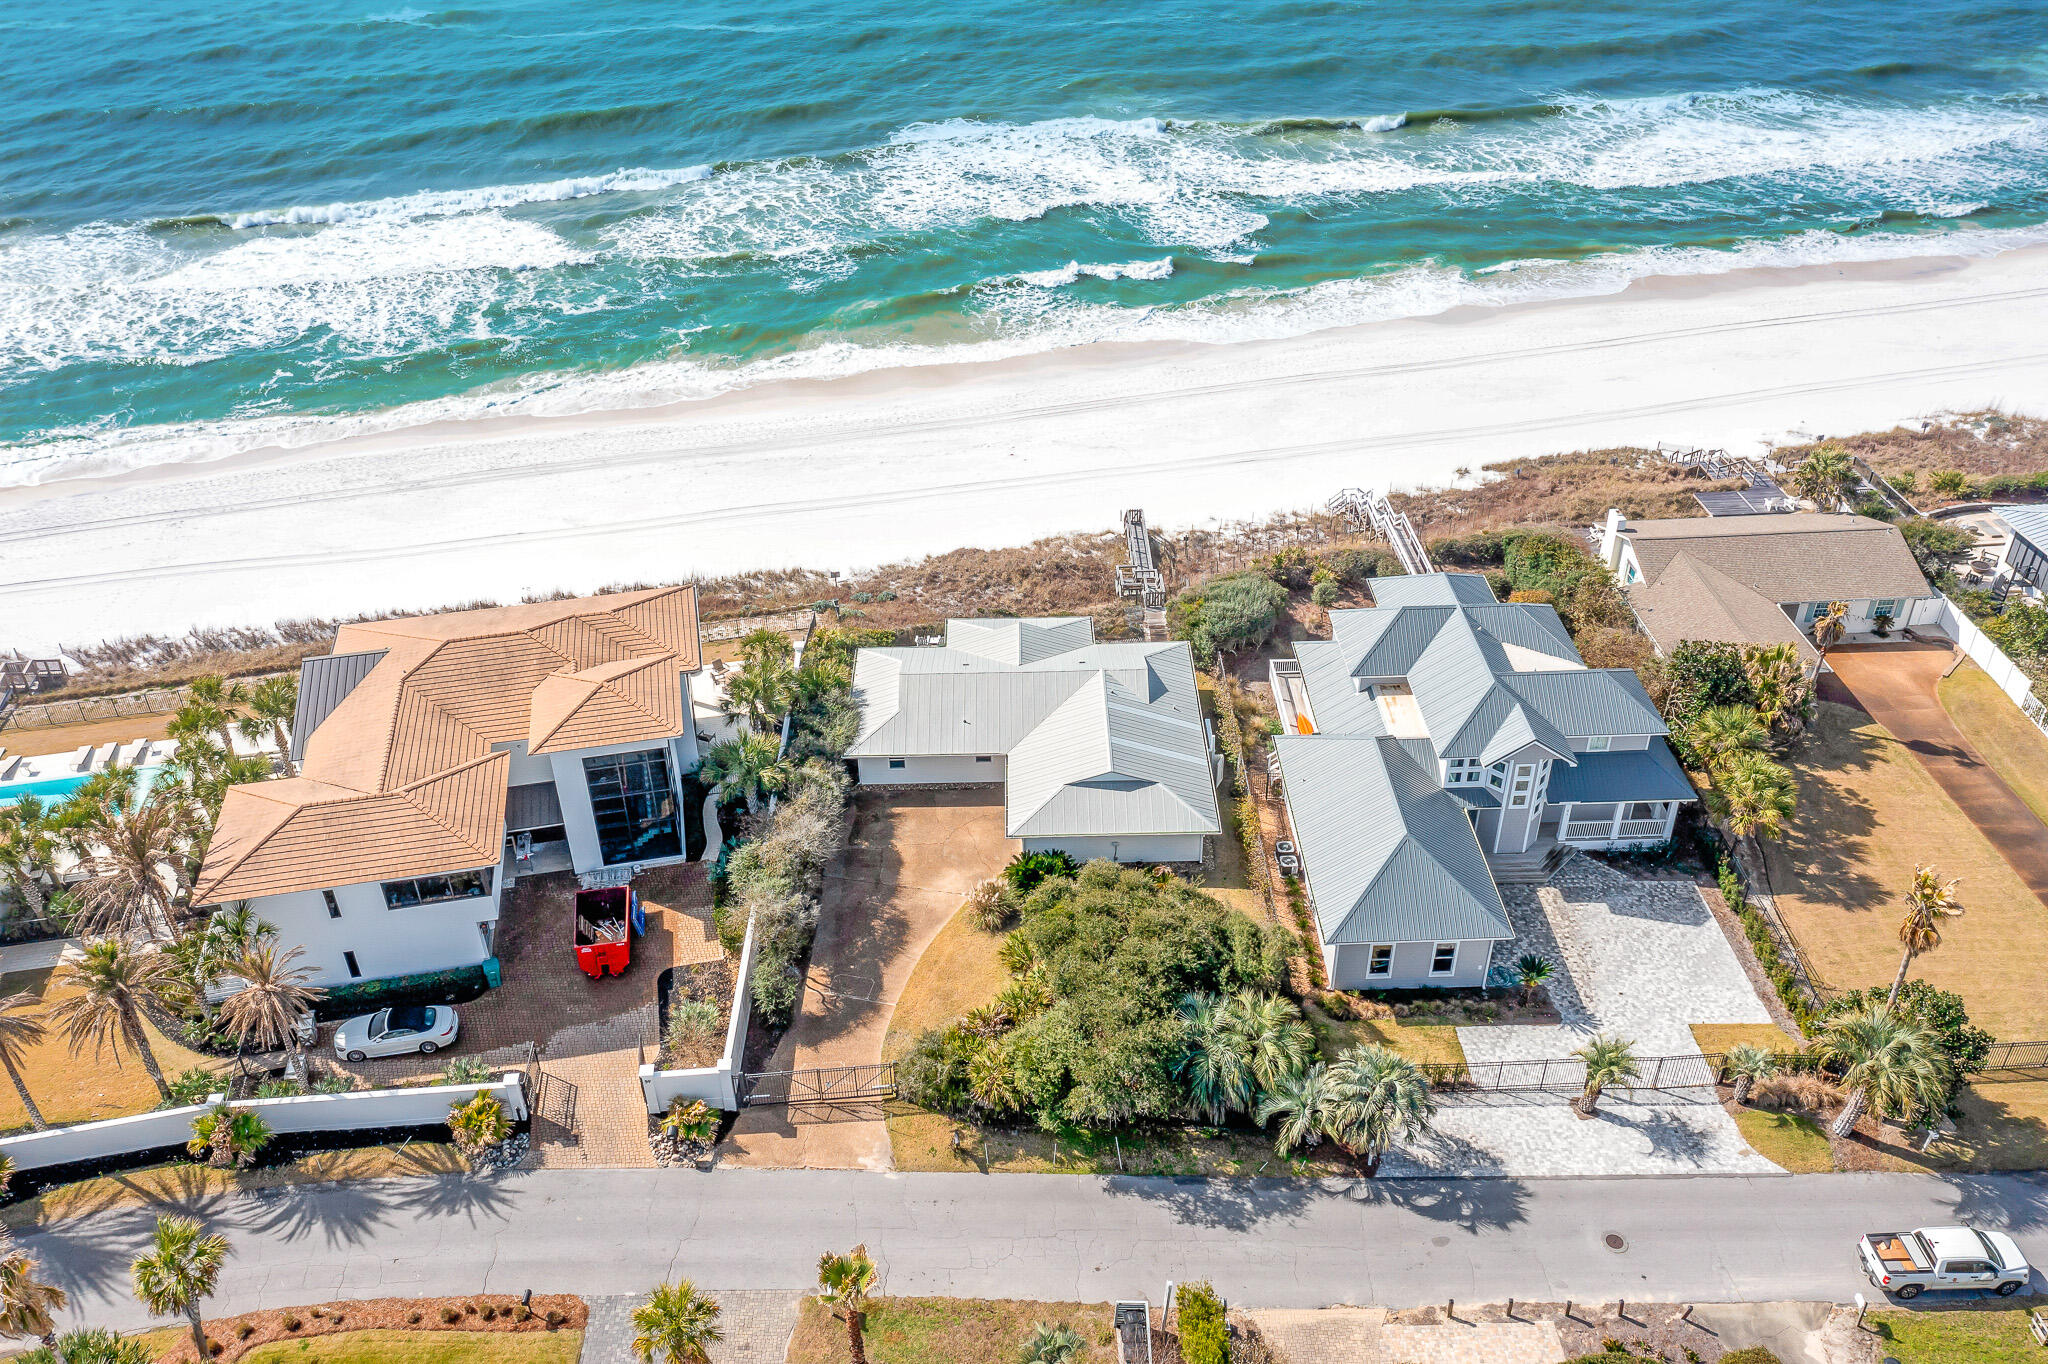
{"points": [[1796, 558], [559, 675]]}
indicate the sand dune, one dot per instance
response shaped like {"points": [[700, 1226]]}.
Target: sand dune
{"points": [[860, 471]]}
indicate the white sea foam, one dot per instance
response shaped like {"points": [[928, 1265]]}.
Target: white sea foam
{"points": [[441, 203], [1073, 270], [1383, 123]]}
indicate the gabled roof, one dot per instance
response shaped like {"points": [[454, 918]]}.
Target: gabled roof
{"points": [[1101, 738], [1693, 599], [404, 706], [1434, 589], [1388, 854], [1803, 557]]}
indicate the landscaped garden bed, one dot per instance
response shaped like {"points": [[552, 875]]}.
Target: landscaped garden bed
{"points": [[383, 1325], [695, 1002], [951, 1330]]}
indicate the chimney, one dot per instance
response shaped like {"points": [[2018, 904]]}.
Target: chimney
{"points": [[1610, 538]]}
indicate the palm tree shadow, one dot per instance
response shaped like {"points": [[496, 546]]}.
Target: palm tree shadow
{"points": [[1825, 845], [1224, 1204], [473, 1198], [1474, 1204], [341, 1214], [89, 1257]]}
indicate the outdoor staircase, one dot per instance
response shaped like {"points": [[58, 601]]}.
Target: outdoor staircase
{"points": [[1531, 868]]}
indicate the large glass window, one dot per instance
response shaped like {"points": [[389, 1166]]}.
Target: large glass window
{"points": [[635, 806], [427, 890]]}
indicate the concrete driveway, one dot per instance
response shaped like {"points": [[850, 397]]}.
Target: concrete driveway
{"points": [[1895, 685], [912, 857]]}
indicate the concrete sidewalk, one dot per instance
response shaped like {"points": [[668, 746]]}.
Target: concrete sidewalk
{"points": [[1895, 685]]}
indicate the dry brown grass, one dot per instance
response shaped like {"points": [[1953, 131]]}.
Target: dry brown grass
{"points": [[79, 1088], [2006, 739], [1868, 812], [957, 972], [1569, 490], [1980, 444], [950, 1330], [1715, 1039], [64, 738]]}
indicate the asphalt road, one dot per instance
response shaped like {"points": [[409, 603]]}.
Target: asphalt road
{"points": [[1265, 1243]]}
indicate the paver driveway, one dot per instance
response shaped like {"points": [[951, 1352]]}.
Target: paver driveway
{"points": [[912, 857], [1895, 684]]}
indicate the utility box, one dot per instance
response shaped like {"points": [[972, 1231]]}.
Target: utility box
{"points": [[1134, 1332]]}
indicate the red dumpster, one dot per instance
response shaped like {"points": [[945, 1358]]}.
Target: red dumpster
{"points": [[606, 921]]}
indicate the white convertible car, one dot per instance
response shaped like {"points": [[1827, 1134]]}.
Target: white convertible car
{"points": [[424, 1028]]}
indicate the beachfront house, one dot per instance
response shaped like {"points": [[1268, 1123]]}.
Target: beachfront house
{"points": [[1439, 744], [441, 757], [2024, 556], [1101, 749], [1766, 579]]}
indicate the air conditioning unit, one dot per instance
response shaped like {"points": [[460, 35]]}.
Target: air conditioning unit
{"points": [[1289, 862], [1283, 847]]}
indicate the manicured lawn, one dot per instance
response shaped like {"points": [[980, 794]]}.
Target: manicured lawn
{"points": [[1962, 1334], [425, 1347], [1423, 1043], [950, 1331], [1787, 1139], [80, 1088], [1715, 1039], [958, 972], [2016, 750], [1868, 812]]}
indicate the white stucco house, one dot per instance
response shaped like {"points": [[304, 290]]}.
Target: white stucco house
{"points": [[1100, 748], [1764, 579], [442, 756], [1439, 743]]}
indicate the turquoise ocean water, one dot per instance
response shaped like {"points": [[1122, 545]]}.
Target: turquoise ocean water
{"points": [[220, 228]]}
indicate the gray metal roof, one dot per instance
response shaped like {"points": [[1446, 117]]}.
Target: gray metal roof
{"points": [[1388, 854], [1434, 589], [1630, 774], [536, 805], [2029, 523], [1102, 739], [323, 683]]}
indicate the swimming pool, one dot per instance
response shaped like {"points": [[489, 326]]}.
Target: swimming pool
{"points": [[53, 789]]}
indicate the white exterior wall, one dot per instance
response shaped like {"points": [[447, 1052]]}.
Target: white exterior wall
{"points": [[1347, 966], [1133, 848], [572, 788], [416, 1107], [386, 942], [715, 1085], [932, 770]]}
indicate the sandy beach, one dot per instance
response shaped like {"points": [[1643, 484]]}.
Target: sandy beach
{"points": [[861, 471]]}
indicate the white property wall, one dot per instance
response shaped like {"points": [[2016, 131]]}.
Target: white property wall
{"points": [[386, 942], [418, 1107], [1131, 848], [932, 770], [715, 1085]]}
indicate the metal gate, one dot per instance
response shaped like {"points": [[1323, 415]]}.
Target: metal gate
{"points": [[832, 1084], [554, 1105]]}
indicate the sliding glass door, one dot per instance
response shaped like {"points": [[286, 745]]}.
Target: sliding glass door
{"points": [[635, 806]]}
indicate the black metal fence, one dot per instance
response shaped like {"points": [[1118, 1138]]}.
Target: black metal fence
{"points": [[834, 1084], [2007, 1061], [2016, 1061]]}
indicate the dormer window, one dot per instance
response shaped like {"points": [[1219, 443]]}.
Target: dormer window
{"points": [[1599, 743]]}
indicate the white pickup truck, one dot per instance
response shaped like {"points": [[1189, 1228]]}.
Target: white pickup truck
{"points": [[1906, 1264]]}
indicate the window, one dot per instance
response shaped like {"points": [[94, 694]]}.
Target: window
{"points": [[333, 906], [1598, 743], [895, 764], [984, 760], [1445, 959], [1382, 962], [1461, 771], [634, 805], [1888, 607], [355, 971], [428, 890], [1518, 794], [1497, 776]]}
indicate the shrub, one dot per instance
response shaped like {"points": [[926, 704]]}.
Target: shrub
{"points": [[1027, 869], [1949, 482], [479, 1126], [776, 987], [555, 1317], [1941, 1012], [1227, 614], [281, 1088], [690, 1120], [290, 1321], [228, 1137], [1204, 1337], [695, 1035], [991, 906], [412, 1318], [191, 1087], [466, 1070], [1795, 1093], [1704, 674], [449, 1316], [246, 1329], [1755, 1354], [1324, 593]]}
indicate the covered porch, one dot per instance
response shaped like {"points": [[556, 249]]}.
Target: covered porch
{"points": [[1616, 800]]}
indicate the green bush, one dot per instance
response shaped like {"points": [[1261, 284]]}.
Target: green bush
{"points": [[1227, 614], [1204, 1335], [1940, 1011], [1755, 1354], [1701, 675], [1324, 593], [1027, 869], [191, 1087], [457, 986]]}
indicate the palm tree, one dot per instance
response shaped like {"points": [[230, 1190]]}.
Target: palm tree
{"points": [[1747, 1063], [1217, 1070], [1886, 1060], [478, 1127], [765, 685], [1302, 1104], [26, 1302], [1784, 693], [1609, 1061], [1928, 901], [1276, 1042], [1379, 1097], [273, 705], [1825, 477], [266, 1010], [1830, 625], [228, 1137], [1723, 732], [675, 1324], [844, 1282], [115, 982], [223, 700], [749, 766], [130, 855], [28, 850], [1755, 796], [1531, 972], [992, 1080], [180, 1271], [88, 1345], [1050, 1344], [19, 1032]]}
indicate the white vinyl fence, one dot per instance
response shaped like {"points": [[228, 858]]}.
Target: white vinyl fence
{"points": [[1985, 653], [365, 1109], [715, 1085]]}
